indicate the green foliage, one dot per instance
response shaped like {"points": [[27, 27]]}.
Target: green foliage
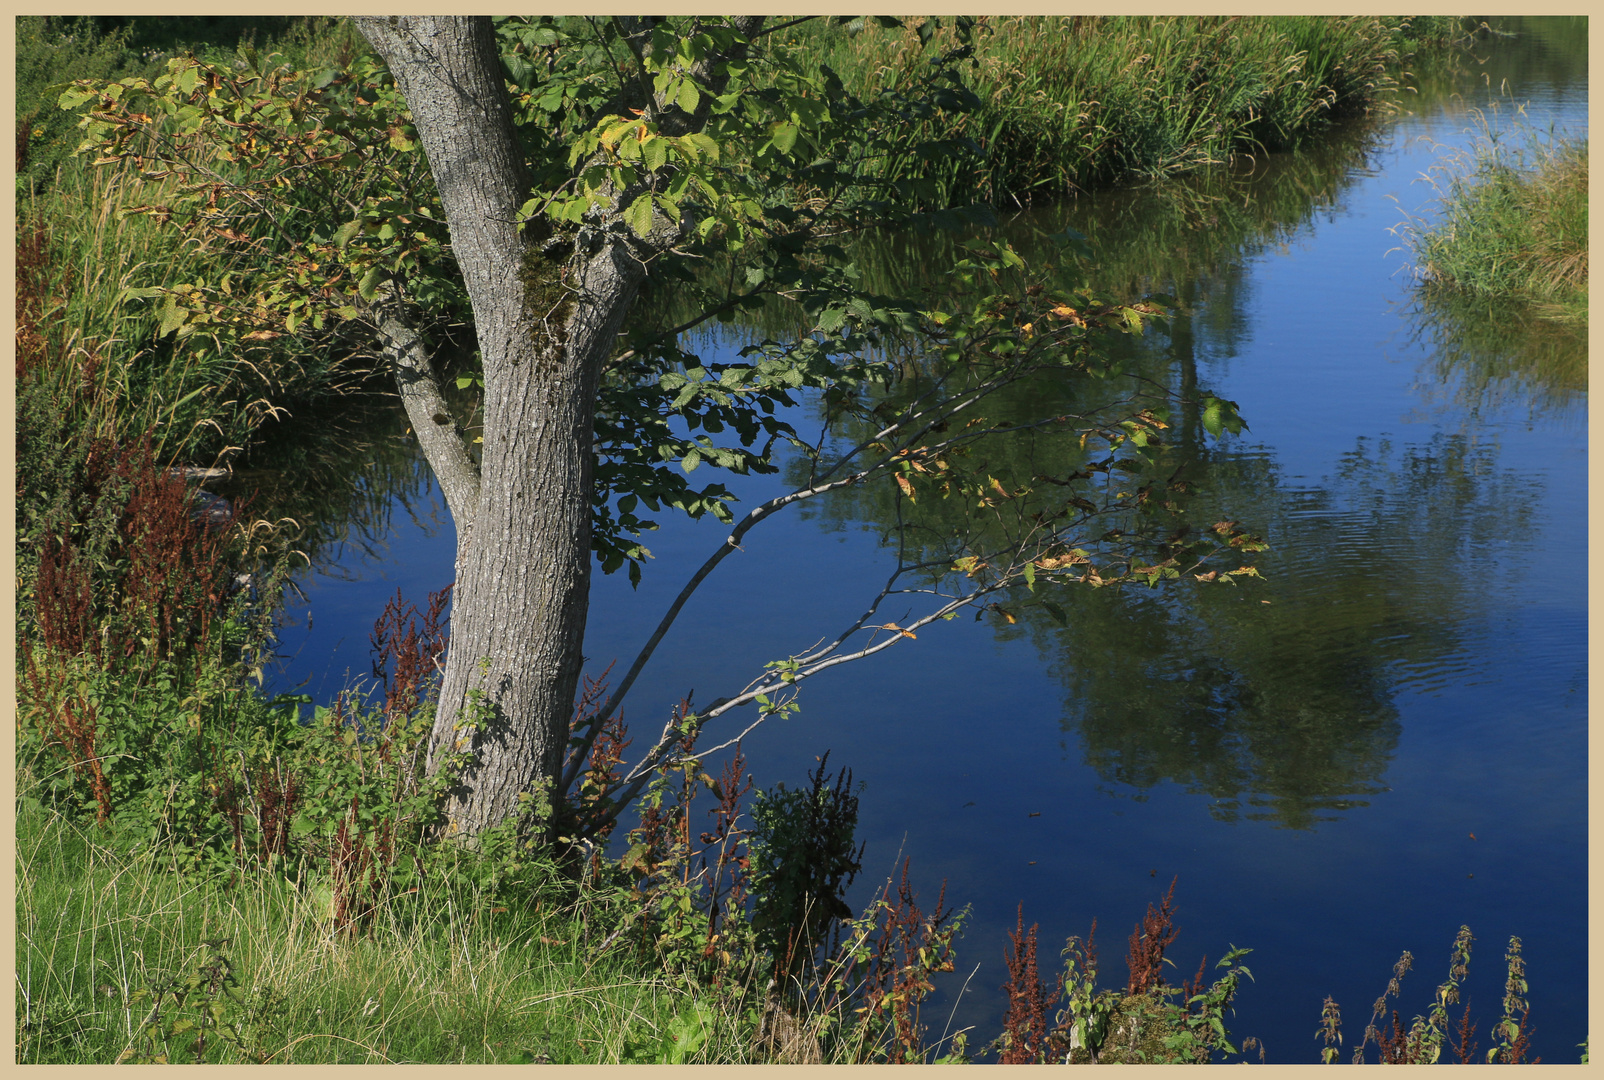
{"points": [[202, 1010], [50, 50], [1149, 1028], [678, 1044]]}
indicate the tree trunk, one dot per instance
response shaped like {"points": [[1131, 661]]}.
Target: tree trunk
{"points": [[546, 320]]}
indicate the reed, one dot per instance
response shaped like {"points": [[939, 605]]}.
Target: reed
{"points": [[1076, 102], [1513, 223]]}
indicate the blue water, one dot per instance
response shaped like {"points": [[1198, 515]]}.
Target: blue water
{"points": [[963, 735]]}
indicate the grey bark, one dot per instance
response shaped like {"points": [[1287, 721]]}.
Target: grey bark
{"points": [[437, 431], [519, 606]]}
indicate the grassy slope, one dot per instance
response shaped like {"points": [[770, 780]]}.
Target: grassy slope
{"points": [[1076, 102], [440, 977]]}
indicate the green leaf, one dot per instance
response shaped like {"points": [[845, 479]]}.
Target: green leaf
{"points": [[704, 143], [1221, 415], [172, 317], [693, 458], [655, 152], [369, 285], [639, 216], [689, 97], [73, 97], [1030, 576], [783, 135]]}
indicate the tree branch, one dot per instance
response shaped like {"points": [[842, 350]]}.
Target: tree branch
{"points": [[431, 418], [731, 543]]}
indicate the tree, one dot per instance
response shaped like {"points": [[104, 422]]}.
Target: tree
{"points": [[576, 164]]}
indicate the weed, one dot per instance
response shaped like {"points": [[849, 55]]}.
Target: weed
{"points": [[1142, 1024], [893, 948], [1025, 1035], [195, 1013], [1423, 1041], [1155, 933]]}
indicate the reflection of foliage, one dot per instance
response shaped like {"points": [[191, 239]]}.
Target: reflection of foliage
{"points": [[1487, 352], [338, 474], [1530, 52], [1198, 228], [1287, 705]]}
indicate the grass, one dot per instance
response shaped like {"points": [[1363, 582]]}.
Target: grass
{"points": [[1074, 102], [90, 272], [442, 976], [1513, 224]]}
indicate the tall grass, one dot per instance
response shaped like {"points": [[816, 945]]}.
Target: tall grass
{"points": [[1075, 102], [99, 272], [1513, 225], [91, 273], [442, 976]]}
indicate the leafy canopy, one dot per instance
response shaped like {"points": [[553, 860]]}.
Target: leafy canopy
{"points": [[313, 191]]}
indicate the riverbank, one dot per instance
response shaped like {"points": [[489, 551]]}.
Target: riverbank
{"points": [[1077, 102]]}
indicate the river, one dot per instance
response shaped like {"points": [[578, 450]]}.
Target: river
{"points": [[1383, 740]]}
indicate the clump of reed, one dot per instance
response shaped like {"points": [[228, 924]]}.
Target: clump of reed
{"points": [[1513, 223], [98, 351], [1075, 102]]}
